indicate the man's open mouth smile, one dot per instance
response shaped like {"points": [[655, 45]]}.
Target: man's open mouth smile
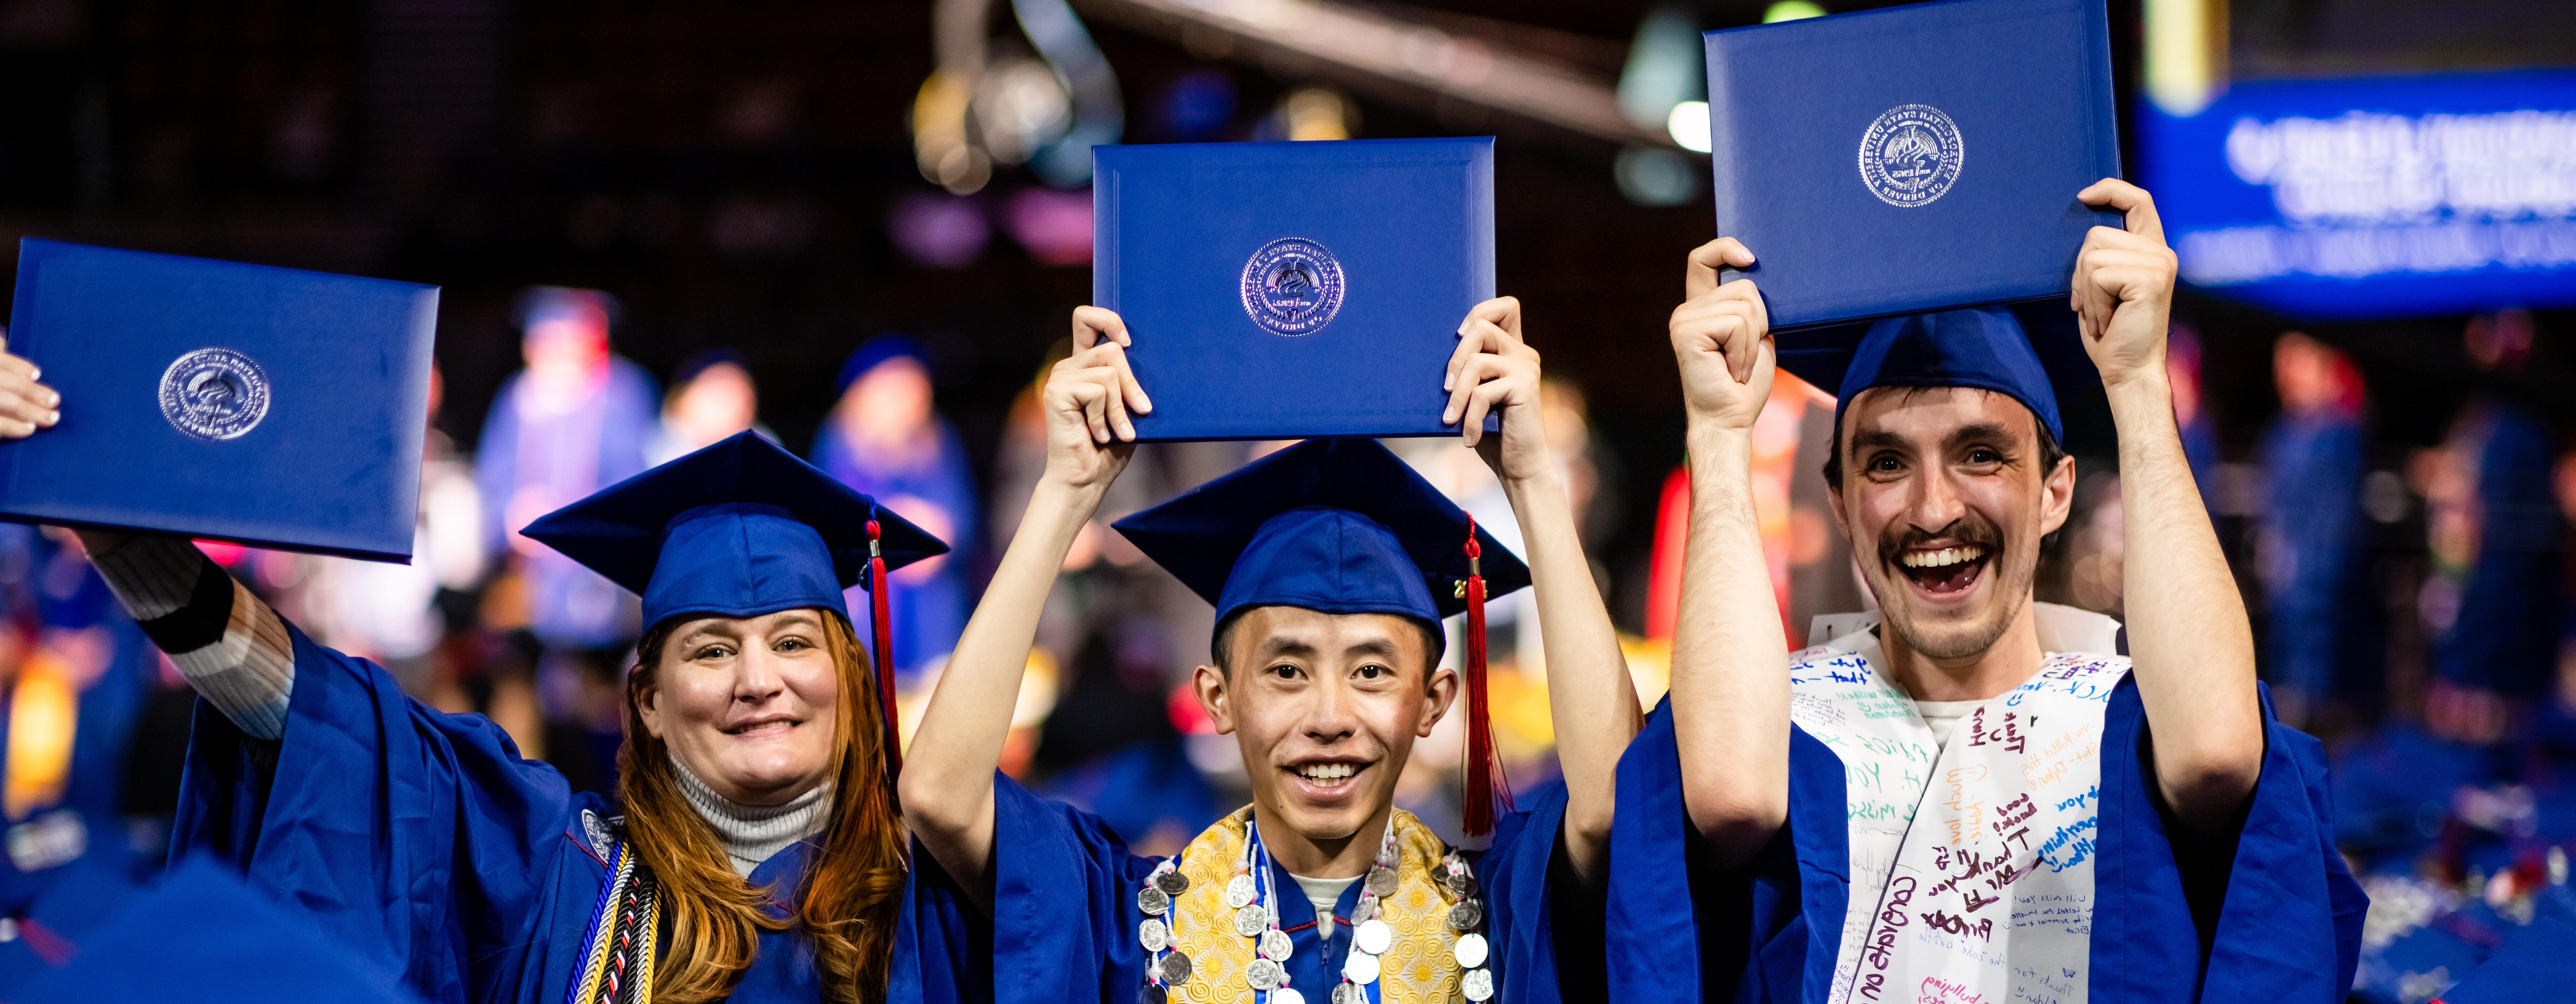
{"points": [[1944, 571], [1326, 780]]}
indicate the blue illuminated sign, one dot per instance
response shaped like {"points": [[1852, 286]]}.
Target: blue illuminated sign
{"points": [[2381, 197]]}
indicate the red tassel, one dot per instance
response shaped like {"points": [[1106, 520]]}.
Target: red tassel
{"points": [[883, 652], [1485, 783]]}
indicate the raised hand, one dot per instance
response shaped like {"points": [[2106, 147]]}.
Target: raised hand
{"points": [[2124, 283], [25, 405], [1493, 368], [1722, 339], [1087, 399]]}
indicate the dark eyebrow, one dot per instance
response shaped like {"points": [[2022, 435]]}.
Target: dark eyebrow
{"points": [[1275, 646], [713, 628], [1381, 647], [1871, 439], [1977, 431]]}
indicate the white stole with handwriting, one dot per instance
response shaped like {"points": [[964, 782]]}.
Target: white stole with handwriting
{"points": [[1971, 864]]}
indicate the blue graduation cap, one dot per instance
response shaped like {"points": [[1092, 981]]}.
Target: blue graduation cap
{"points": [[206, 936], [878, 351], [740, 529], [2029, 352], [1342, 526]]}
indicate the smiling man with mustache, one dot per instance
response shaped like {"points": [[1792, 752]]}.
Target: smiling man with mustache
{"points": [[1969, 796]]}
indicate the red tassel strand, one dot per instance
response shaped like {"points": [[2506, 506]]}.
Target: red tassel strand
{"points": [[883, 653], [1485, 784]]}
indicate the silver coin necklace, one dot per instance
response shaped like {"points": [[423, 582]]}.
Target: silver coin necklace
{"points": [[1253, 896]]}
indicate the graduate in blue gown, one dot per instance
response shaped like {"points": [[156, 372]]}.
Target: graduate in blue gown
{"points": [[68, 713], [1331, 565], [884, 438], [755, 799], [1976, 797], [579, 418]]}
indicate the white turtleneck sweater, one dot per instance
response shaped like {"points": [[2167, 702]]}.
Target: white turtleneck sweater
{"points": [[751, 833]]}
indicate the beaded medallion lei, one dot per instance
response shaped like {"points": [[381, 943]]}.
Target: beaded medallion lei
{"points": [[1196, 958]]}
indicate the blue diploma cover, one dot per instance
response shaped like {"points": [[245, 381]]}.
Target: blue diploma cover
{"points": [[261, 405], [1912, 158], [1294, 290]]}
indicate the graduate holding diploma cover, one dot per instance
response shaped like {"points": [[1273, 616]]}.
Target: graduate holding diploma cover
{"points": [[1968, 795], [1331, 565], [754, 852], [268, 406]]}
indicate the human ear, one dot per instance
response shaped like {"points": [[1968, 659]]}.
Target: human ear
{"points": [[648, 706], [1209, 681], [2057, 496], [1435, 703]]}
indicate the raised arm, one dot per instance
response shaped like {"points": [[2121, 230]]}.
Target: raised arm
{"points": [[232, 648], [1730, 688], [1589, 696], [947, 784], [2189, 642], [229, 645]]}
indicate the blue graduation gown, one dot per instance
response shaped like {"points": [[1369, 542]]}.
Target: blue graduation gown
{"points": [[2314, 633], [101, 734], [599, 443], [68, 899], [2505, 638], [1065, 917], [422, 842], [1681, 929]]}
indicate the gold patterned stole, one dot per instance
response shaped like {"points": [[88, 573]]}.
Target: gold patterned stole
{"points": [[1419, 966], [617, 959]]}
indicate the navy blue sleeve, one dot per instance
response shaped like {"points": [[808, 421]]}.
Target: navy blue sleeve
{"points": [[1064, 909], [2288, 917], [1681, 928], [419, 839], [1528, 902]]}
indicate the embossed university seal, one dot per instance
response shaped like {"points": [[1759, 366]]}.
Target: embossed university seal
{"points": [[1911, 155], [1292, 286], [214, 394]]}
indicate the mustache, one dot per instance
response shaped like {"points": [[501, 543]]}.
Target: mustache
{"points": [[1897, 538]]}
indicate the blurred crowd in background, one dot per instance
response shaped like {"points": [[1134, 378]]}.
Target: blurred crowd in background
{"points": [[858, 229], [2412, 604]]}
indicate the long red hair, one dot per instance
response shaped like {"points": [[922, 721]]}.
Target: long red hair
{"points": [[851, 893]]}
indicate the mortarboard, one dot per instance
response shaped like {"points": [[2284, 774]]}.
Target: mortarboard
{"points": [[2029, 352], [739, 529], [877, 351], [1343, 527], [204, 935]]}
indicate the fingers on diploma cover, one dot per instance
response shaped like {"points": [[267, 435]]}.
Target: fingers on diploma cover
{"points": [[1912, 158], [267, 406], [1293, 290]]}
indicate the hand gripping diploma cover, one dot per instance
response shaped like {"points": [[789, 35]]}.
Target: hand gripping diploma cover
{"points": [[1294, 290], [1913, 158], [267, 406]]}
